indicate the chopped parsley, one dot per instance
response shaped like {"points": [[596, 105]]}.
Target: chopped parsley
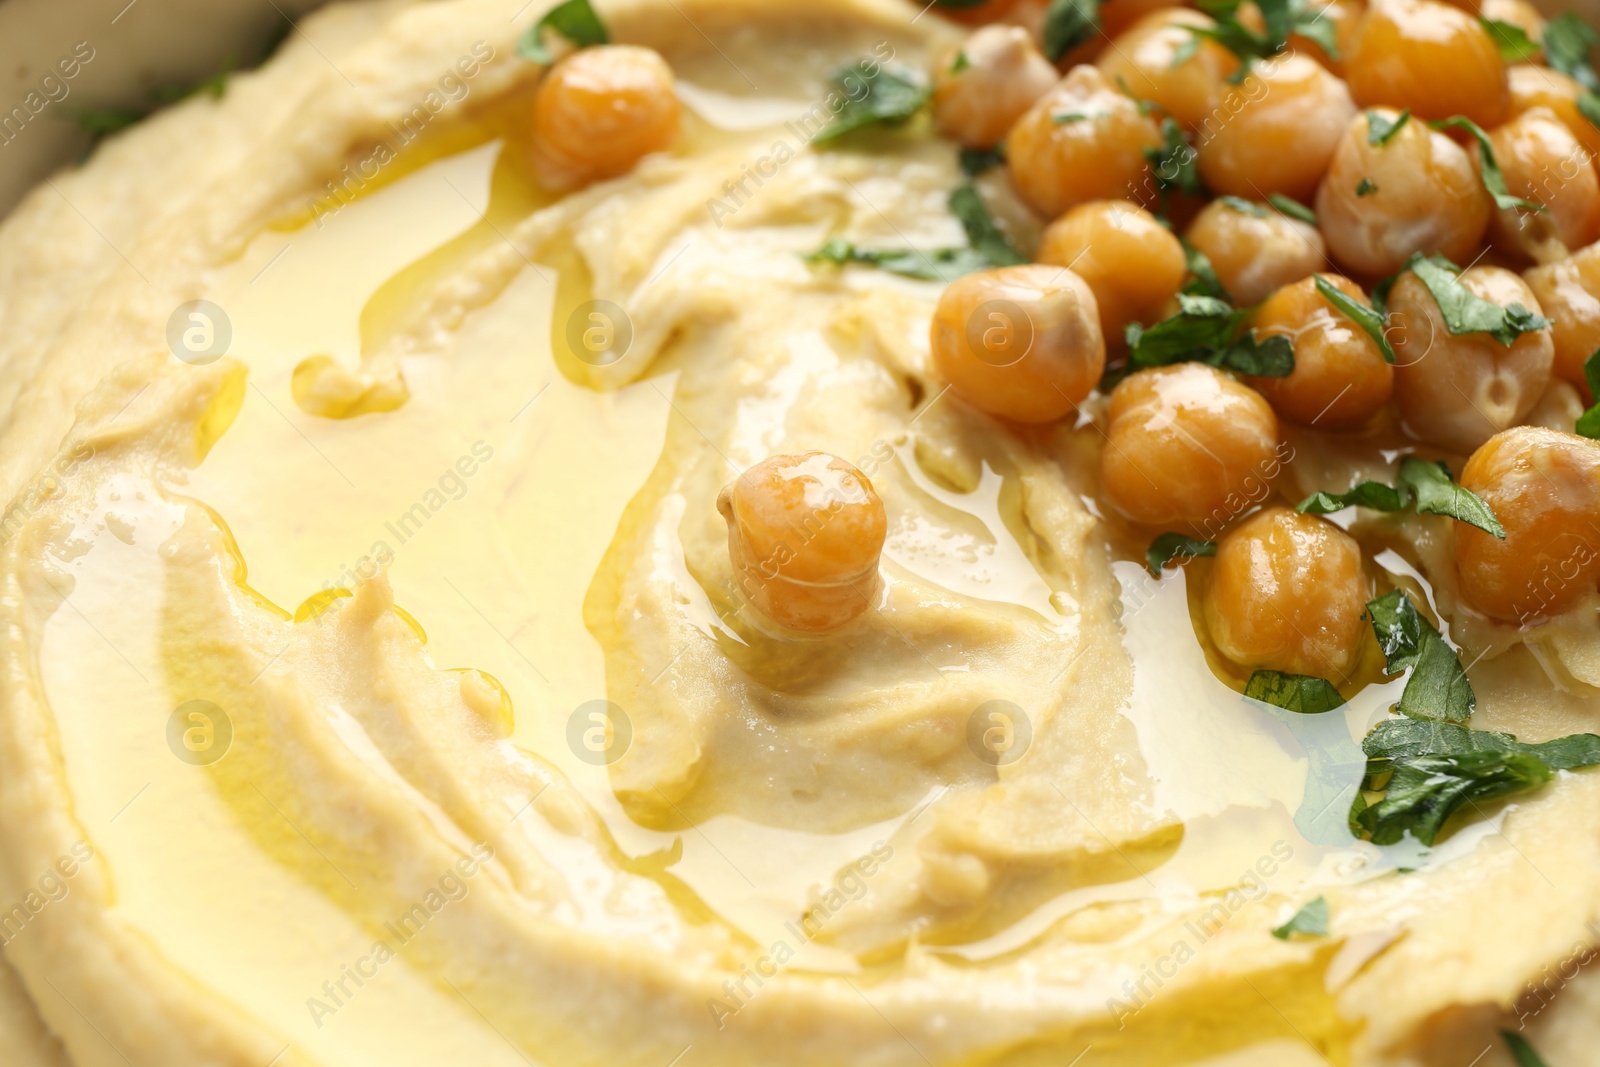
{"points": [[1372, 321], [1173, 164], [987, 247], [1409, 738], [1170, 547], [1513, 41], [575, 20], [1428, 487], [1311, 920], [1567, 42], [1521, 1050], [1438, 688], [891, 99], [1493, 179], [1381, 130], [1424, 791], [974, 161], [1589, 106], [1064, 117], [1067, 24], [983, 235], [102, 122], [1463, 311], [1300, 693], [1280, 19], [1243, 206], [1203, 280], [1293, 208], [1210, 330], [1366, 187], [1589, 422]]}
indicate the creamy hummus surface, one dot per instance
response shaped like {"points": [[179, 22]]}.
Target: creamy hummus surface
{"points": [[374, 684]]}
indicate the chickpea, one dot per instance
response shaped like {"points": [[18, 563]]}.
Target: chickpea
{"points": [[1083, 140], [1275, 131], [1430, 57], [1132, 263], [1429, 199], [1569, 293], [1340, 378], [1287, 593], [979, 13], [1000, 75], [1544, 163], [1518, 13], [1119, 16], [1345, 17], [601, 110], [1459, 391], [1544, 487], [1255, 252], [1023, 343], [1143, 58], [804, 535], [1541, 87], [1187, 445]]}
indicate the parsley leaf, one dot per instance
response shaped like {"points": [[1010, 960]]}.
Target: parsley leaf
{"points": [[1293, 208], [1293, 692], [983, 235], [1401, 739], [1173, 164], [891, 99], [1513, 41], [1170, 547], [1589, 106], [1589, 421], [1243, 206], [1438, 687], [1567, 41], [1493, 179], [1067, 24], [974, 161], [1311, 920], [1366, 187], [1203, 280], [1316, 29], [1463, 311], [103, 122], [1208, 329], [1280, 19], [1371, 321], [1424, 791], [1521, 1050], [1438, 494], [575, 20], [1374, 495], [936, 265], [1380, 130]]}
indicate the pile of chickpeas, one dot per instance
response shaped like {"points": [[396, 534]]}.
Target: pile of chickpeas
{"points": [[1183, 443]]}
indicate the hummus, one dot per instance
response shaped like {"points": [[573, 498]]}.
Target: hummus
{"points": [[373, 684]]}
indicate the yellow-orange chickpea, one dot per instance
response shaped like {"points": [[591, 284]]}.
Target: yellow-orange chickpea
{"points": [[601, 110], [1023, 343], [1119, 16], [1520, 14], [1256, 250], [1569, 293], [1275, 131], [1083, 140], [1428, 198], [805, 532], [1143, 58], [981, 89], [1131, 262], [1542, 162], [977, 14], [1345, 17], [1533, 87], [1544, 487], [1430, 57], [1459, 391], [1187, 447], [1287, 593], [1340, 378]]}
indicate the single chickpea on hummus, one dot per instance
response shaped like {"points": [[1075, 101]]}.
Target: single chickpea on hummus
{"points": [[701, 533]]}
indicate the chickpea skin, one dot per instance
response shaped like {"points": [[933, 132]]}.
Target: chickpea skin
{"points": [[1131, 262], [1533, 87], [601, 110], [1022, 343], [981, 89], [1340, 378], [1276, 131], [1083, 140], [1432, 58], [1287, 593], [1544, 487], [804, 535], [1459, 391], [1544, 163], [1187, 446], [1144, 56], [1428, 198], [1256, 252], [1569, 293]]}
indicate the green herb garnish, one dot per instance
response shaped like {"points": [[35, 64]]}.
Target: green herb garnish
{"points": [[1067, 24], [891, 99], [1366, 187], [938, 264], [1438, 687], [1243, 206], [1567, 42], [1400, 739], [1300, 693], [1424, 792], [1521, 1051], [974, 161], [1373, 322], [982, 234], [1293, 208], [1589, 422], [1210, 330], [575, 20], [1173, 164], [1493, 179], [1175, 546], [1380, 130], [1513, 41], [1311, 920], [1463, 311], [1426, 486], [1203, 280]]}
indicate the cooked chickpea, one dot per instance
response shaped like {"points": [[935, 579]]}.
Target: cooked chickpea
{"points": [[1131, 262], [980, 90], [1428, 198], [1143, 58], [1022, 343], [1340, 378], [1186, 445], [1275, 131], [1544, 163], [1083, 140], [1541, 87], [1345, 17], [601, 110], [979, 13], [1458, 391], [1430, 57], [1119, 16], [1287, 593], [1520, 14], [1255, 252], [1569, 293], [1544, 487], [804, 535]]}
